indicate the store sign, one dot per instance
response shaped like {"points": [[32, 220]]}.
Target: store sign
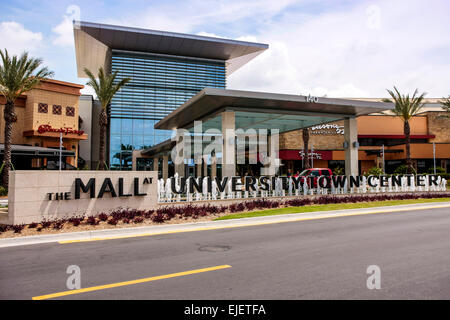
{"points": [[107, 187], [38, 195], [328, 129], [300, 155], [312, 99], [43, 128], [311, 155], [191, 185]]}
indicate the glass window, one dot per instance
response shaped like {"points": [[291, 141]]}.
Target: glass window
{"points": [[138, 141], [115, 142], [115, 126], [127, 140], [149, 140], [138, 126], [127, 126], [159, 86]]}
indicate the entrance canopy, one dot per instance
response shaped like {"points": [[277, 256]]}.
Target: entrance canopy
{"points": [[229, 111], [261, 110]]}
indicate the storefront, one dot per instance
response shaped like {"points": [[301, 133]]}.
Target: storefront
{"points": [[45, 116], [376, 132]]}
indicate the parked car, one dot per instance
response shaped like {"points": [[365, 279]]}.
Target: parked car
{"points": [[316, 173]]}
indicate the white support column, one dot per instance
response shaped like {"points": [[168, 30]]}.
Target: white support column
{"points": [[198, 166], [165, 167], [205, 165], [271, 168], [213, 166], [351, 152], [135, 155], [178, 162], [229, 144], [155, 164]]}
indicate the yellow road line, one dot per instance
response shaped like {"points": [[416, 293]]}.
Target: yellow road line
{"points": [[329, 215], [127, 283]]}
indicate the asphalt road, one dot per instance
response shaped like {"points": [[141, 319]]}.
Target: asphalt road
{"points": [[316, 259]]}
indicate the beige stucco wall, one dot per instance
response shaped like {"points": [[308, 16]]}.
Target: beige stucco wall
{"points": [[28, 199], [36, 96]]}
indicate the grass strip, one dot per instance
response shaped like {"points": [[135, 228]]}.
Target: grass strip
{"points": [[327, 207]]}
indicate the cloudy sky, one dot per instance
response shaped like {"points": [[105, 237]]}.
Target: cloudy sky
{"points": [[338, 48]]}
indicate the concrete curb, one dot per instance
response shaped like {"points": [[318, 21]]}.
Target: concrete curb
{"points": [[208, 225]]}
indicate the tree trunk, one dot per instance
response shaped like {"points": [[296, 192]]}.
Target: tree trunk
{"points": [[102, 121], [305, 133], [8, 116], [407, 132]]}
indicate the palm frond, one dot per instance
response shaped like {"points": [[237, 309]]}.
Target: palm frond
{"points": [[406, 106], [105, 87], [445, 103], [20, 74]]}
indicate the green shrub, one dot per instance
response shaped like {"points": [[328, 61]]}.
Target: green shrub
{"points": [[401, 169], [439, 170], [338, 171], [445, 176], [375, 171], [3, 191]]}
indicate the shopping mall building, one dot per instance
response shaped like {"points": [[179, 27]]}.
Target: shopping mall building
{"points": [[178, 79]]}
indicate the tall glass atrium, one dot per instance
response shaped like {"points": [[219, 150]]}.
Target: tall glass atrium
{"points": [[160, 84]]}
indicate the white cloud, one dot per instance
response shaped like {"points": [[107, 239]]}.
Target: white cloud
{"points": [[64, 30], [188, 15], [353, 54], [321, 47], [88, 90], [17, 39]]}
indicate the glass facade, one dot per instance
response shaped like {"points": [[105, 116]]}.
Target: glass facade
{"points": [[159, 85]]}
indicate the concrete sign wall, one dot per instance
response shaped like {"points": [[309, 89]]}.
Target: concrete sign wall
{"points": [[38, 195]]}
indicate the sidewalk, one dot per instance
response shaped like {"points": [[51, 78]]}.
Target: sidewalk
{"points": [[110, 234]]}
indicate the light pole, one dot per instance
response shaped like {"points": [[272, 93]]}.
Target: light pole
{"points": [[60, 150], [434, 157]]}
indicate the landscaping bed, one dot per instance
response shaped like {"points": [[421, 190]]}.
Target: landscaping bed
{"points": [[170, 214]]}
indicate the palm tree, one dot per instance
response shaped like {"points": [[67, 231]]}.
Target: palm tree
{"points": [[105, 88], [17, 76], [305, 135], [446, 105], [405, 108]]}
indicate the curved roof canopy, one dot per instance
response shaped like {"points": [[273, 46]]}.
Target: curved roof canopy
{"points": [[265, 110], [94, 42]]}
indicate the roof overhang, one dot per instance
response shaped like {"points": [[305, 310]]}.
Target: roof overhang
{"points": [[23, 150], [94, 42], [210, 102], [162, 147]]}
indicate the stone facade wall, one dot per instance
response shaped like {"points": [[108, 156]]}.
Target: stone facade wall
{"points": [[28, 194], [330, 141], [439, 125]]}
